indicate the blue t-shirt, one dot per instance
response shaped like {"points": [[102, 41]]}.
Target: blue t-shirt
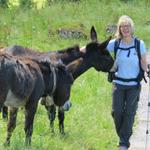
{"points": [[127, 67]]}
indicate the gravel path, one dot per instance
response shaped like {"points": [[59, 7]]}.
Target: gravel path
{"points": [[138, 139]]}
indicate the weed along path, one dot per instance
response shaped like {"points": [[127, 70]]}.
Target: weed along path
{"points": [[138, 139]]}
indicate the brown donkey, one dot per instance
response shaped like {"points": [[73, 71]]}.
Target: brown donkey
{"points": [[95, 56]]}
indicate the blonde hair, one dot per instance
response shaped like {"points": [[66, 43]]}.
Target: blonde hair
{"points": [[121, 20]]}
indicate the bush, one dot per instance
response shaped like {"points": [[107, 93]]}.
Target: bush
{"points": [[26, 3], [4, 3], [49, 2]]}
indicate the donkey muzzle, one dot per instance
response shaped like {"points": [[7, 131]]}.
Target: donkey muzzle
{"points": [[67, 105]]}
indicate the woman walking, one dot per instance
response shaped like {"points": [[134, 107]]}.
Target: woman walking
{"points": [[129, 66]]}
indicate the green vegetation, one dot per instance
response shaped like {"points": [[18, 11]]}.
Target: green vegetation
{"points": [[88, 125]]}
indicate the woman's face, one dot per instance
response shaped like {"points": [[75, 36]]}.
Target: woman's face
{"points": [[125, 29]]}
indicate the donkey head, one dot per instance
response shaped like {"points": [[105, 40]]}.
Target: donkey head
{"points": [[69, 54], [97, 55], [64, 81]]}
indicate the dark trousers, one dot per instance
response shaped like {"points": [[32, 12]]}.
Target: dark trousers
{"points": [[124, 106]]}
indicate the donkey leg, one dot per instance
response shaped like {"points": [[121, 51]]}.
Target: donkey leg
{"points": [[11, 124], [30, 111], [5, 113], [3, 91], [2, 99], [61, 117], [51, 111]]}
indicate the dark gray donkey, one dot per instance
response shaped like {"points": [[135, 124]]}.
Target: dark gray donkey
{"points": [[24, 81]]}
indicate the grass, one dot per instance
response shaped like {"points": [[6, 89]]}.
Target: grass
{"points": [[88, 125]]}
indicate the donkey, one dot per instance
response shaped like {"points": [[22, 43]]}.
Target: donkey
{"points": [[23, 81], [65, 55], [95, 56]]}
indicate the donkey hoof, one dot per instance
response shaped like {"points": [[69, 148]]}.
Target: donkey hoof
{"points": [[62, 133], [52, 131]]}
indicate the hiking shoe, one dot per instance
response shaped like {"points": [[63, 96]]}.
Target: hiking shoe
{"points": [[123, 148]]}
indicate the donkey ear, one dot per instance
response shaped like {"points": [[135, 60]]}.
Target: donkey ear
{"points": [[71, 67], [93, 34], [104, 44]]}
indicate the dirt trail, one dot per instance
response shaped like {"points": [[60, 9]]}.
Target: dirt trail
{"points": [[138, 139]]}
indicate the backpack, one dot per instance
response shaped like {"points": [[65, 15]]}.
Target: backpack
{"points": [[140, 76]]}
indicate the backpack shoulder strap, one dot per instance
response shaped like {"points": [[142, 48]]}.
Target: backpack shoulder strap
{"points": [[137, 47], [116, 46]]}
